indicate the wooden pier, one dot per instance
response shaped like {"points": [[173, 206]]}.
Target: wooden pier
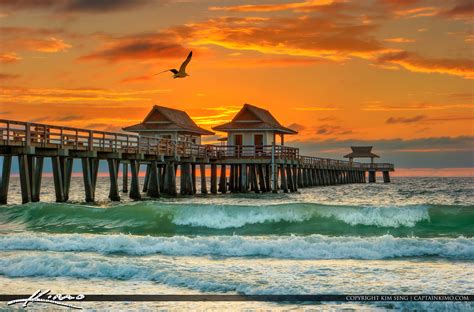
{"points": [[236, 169]]}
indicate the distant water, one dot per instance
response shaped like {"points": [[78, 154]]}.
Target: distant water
{"points": [[412, 236]]}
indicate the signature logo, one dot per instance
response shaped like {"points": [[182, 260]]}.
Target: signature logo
{"points": [[45, 297]]}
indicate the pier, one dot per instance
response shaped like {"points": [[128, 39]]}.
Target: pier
{"points": [[229, 168]]}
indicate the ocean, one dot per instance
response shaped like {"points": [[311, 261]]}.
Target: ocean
{"points": [[411, 236]]}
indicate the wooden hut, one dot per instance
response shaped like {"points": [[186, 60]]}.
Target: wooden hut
{"points": [[362, 152], [168, 123], [254, 126]]}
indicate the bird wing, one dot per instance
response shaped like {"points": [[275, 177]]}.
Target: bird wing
{"points": [[174, 71], [185, 63]]}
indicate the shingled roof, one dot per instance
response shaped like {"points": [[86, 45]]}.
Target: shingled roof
{"points": [[162, 118], [361, 152], [251, 117]]}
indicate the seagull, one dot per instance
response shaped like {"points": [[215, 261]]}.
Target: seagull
{"points": [[181, 73]]}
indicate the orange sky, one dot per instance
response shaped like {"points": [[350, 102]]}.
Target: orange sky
{"points": [[334, 70]]}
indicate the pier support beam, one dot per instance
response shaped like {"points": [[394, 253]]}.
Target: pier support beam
{"points": [[372, 178], [244, 186], [147, 178], [170, 179], [37, 170], [135, 185], [386, 177], [124, 177], [223, 180], [193, 178], [289, 177], [261, 179], [24, 179], [5, 183], [153, 189], [202, 167], [113, 176], [284, 184], [213, 178], [58, 179]]}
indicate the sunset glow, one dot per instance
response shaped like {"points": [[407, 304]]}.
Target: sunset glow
{"points": [[395, 74]]}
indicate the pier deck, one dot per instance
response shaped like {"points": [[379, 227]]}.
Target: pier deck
{"points": [[267, 168]]}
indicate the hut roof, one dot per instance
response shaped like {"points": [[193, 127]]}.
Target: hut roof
{"points": [[162, 118], [361, 152], [251, 117]]}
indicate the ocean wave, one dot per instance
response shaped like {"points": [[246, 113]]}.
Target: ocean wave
{"points": [[284, 247], [164, 218]]}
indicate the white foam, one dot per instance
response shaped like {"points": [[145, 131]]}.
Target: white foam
{"points": [[289, 247], [222, 217]]}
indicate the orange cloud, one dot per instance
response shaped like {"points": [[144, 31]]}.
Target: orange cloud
{"points": [[399, 40], [321, 37], [295, 6], [49, 45], [138, 46], [415, 63], [8, 58]]}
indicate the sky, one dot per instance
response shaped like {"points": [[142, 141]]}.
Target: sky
{"points": [[396, 74]]}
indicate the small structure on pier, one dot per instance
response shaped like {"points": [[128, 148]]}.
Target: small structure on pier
{"points": [[366, 152], [361, 152], [254, 126], [168, 123]]}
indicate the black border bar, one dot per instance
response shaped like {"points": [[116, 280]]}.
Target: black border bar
{"points": [[267, 298]]}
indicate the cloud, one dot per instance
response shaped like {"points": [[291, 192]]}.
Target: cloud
{"points": [[379, 107], [413, 62], [4, 76], [332, 130], [136, 79], [325, 37], [294, 6], [399, 40], [83, 95], [444, 152], [316, 108], [74, 6], [9, 58], [138, 46], [405, 120], [297, 127], [463, 10], [33, 39]]}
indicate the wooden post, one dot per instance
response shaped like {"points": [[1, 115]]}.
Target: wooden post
{"points": [[147, 178], [36, 179], [261, 178], [170, 179], [386, 177], [7, 165], [124, 177], [275, 178], [66, 165], [289, 176], [24, 179], [86, 174], [113, 174], [161, 175], [193, 178], [135, 185], [58, 179], [243, 179], [232, 179], [223, 180], [154, 181], [268, 178], [254, 179], [284, 184], [202, 167], [299, 177], [213, 178]]}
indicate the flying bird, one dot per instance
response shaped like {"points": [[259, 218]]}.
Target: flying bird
{"points": [[181, 73]]}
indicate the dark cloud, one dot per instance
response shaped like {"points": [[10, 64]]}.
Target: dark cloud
{"points": [[332, 130], [296, 127], [69, 118], [138, 46], [463, 9], [406, 120], [4, 76], [71, 6]]}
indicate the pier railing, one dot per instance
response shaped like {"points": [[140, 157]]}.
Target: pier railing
{"points": [[17, 133], [255, 151]]}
